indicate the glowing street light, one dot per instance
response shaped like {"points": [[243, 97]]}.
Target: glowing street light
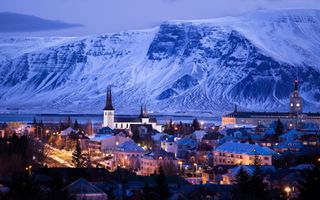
{"points": [[29, 168], [180, 166], [287, 189]]}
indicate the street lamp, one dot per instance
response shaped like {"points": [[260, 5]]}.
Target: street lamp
{"points": [[287, 189], [180, 166], [29, 168]]}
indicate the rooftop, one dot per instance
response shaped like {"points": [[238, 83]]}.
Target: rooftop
{"points": [[100, 137], [244, 148], [82, 186], [130, 146]]}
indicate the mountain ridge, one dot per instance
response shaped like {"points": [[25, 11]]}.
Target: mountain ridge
{"points": [[183, 66]]}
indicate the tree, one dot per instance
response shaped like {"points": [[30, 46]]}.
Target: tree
{"points": [[161, 188], [250, 140], [196, 125], [78, 159], [258, 187], [136, 136], [168, 167], [76, 125], [69, 121], [278, 128], [309, 186], [241, 187]]}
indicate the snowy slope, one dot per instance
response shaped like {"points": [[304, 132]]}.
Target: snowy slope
{"points": [[180, 66]]}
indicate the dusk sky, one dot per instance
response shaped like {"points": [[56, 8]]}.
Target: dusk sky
{"points": [[102, 16]]}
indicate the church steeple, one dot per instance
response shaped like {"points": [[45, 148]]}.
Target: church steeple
{"points": [[143, 111], [108, 105], [296, 85], [235, 108]]}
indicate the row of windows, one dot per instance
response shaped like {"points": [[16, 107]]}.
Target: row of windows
{"points": [[122, 126], [130, 155], [230, 155], [146, 163]]}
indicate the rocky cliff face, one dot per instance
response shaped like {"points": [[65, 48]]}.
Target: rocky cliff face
{"points": [[180, 66]]}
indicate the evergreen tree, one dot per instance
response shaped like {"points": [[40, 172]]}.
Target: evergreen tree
{"points": [[34, 121], [196, 125], [180, 128], [258, 187], [169, 127], [250, 140], [78, 159], [278, 128], [309, 186], [241, 187], [76, 125], [136, 136], [69, 121], [161, 188]]}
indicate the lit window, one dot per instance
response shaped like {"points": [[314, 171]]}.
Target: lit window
{"points": [[291, 104], [298, 104]]}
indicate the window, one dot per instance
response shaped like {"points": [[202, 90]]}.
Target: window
{"points": [[266, 158], [298, 104], [291, 104]]}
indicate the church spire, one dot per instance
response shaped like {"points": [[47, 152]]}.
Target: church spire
{"points": [[143, 111], [109, 100], [296, 82]]}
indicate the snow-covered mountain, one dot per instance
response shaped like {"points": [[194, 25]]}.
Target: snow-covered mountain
{"points": [[179, 66]]}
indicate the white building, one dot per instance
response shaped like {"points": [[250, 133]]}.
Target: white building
{"points": [[102, 143], [150, 163], [109, 119], [233, 153], [169, 144], [128, 154]]}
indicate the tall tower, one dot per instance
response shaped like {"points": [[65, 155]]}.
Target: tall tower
{"points": [[108, 111], [295, 100], [144, 116]]}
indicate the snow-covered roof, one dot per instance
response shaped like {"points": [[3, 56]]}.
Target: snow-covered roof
{"points": [[82, 186], [244, 148], [302, 167], [199, 134], [99, 137], [289, 143], [158, 136], [239, 126], [186, 141], [130, 146], [105, 130], [249, 169], [67, 131], [291, 134]]}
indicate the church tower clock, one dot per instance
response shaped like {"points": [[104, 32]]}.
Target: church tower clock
{"points": [[295, 100]]}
